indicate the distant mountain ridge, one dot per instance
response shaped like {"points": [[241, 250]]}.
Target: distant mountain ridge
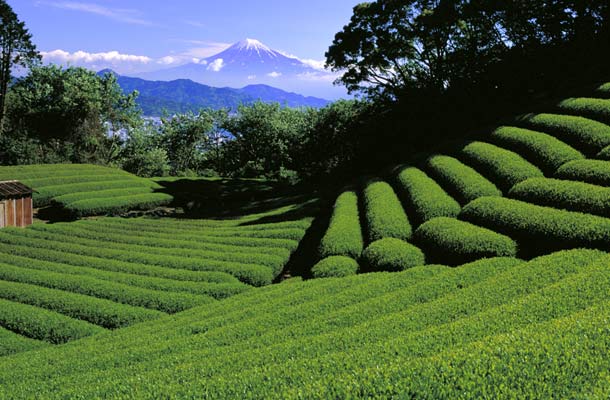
{"points": [[183, 95]]}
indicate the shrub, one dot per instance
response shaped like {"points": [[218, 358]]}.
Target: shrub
{"points": [[570, 195], [384, 214], [536, 228], [584, 134], [344, 235], [119, 204], [462, 181], [453, 242], [391, 254], [598, 109], [596, 172], [11, 343], [604, 154], [502, 166], [546, 151], [335, 266], [604, 89], [424, 196]]}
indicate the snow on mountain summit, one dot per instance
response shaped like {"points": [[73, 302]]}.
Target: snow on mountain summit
{"points": [[251, 44]]}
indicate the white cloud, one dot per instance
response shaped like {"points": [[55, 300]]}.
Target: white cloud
{"points": [[318, 76], [129, 16], [80, 57], [274, 74], [315, 64], [204, 49], [167, 60], [216, 65], [251, 77]]}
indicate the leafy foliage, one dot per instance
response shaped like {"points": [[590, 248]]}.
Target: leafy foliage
{"points": [[391, 254], [596, 172], [344, 235], [383, 213], [335, 266]]}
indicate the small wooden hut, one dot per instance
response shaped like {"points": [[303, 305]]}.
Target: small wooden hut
{"points": [[15, 204]]}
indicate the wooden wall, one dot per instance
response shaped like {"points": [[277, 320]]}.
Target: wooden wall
{"points": [[16, 212]]}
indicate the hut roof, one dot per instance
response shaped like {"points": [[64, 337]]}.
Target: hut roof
{"points": [[14, 189]]}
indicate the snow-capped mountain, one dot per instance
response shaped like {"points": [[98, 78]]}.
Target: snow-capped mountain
{"points": [[250, 62]]}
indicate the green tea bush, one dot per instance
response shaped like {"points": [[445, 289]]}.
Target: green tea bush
{"points": [[597, 109], [503, 166], [453, 242], [11, 343], [78, 196], [344, 235], [384, 214], [37, 323], [462, 181], [119, 204], [391, 254], [584, 134], [569, 195], [596, 172], [424, 196], [604, 154], [604, 89], [546, 151], [537, 228], [335, 266]]}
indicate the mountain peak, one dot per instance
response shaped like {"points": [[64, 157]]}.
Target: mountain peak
{"points": [[251, 44]]}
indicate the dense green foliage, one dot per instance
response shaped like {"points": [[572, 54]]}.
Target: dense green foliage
{"points": [[344, 235], [335, 267], [463, 182], [583, 134], [452, 242], [559, 193], [391, 254], [596, 172], [424, 197], [383, 213], [604, 154], [536, 228], [598, 109], [11, 342], [544, 151]]}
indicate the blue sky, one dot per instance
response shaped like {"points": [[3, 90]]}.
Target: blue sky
{"points": [[140, 35]]}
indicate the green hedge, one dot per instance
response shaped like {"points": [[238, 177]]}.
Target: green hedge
{"points": [[537, 228], [584, 134], [597, 109], [546, 151], [502, 166], [604, 154], [11, 343], [344, 235], [604, 89], [453, 242], [461, 181], [570, 195], [391, 254], [37, 323], [424, 196], [104, 313], [384, 214], [102, 194], [596, 172], [335, 266], [119, 204]]}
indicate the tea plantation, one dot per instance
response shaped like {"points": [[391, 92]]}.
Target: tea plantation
{"points": [[478, 272]]}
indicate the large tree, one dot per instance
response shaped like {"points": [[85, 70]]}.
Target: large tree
{"points": [[16, 49]]}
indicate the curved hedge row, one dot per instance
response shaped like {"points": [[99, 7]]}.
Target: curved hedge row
{"points": [[604, 154], [503, 166], [596, 172], [598, 109], [584, 134], [344, 235], [453, 242], [37, 323], [11, 343], [424, 196], [570, 195], [335, 266], [104, 313], [118, 204], [391, 254], [604, 89], [384, 214], [546, 151], [538, 228], [462, 181]]}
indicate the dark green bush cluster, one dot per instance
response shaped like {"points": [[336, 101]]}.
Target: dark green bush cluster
{"points": [[598, 109], [604, 89], [37, 323], [604, 154], [344, 235], [384, 214], [335, 266], [502, 166], [462, 181], [584, 134], [11, 343], [119, 204], [537, 228], [391, 254], [104, 313], [453, 242], [424, 196], [546, 151], [596, 172], [559, 193]]}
